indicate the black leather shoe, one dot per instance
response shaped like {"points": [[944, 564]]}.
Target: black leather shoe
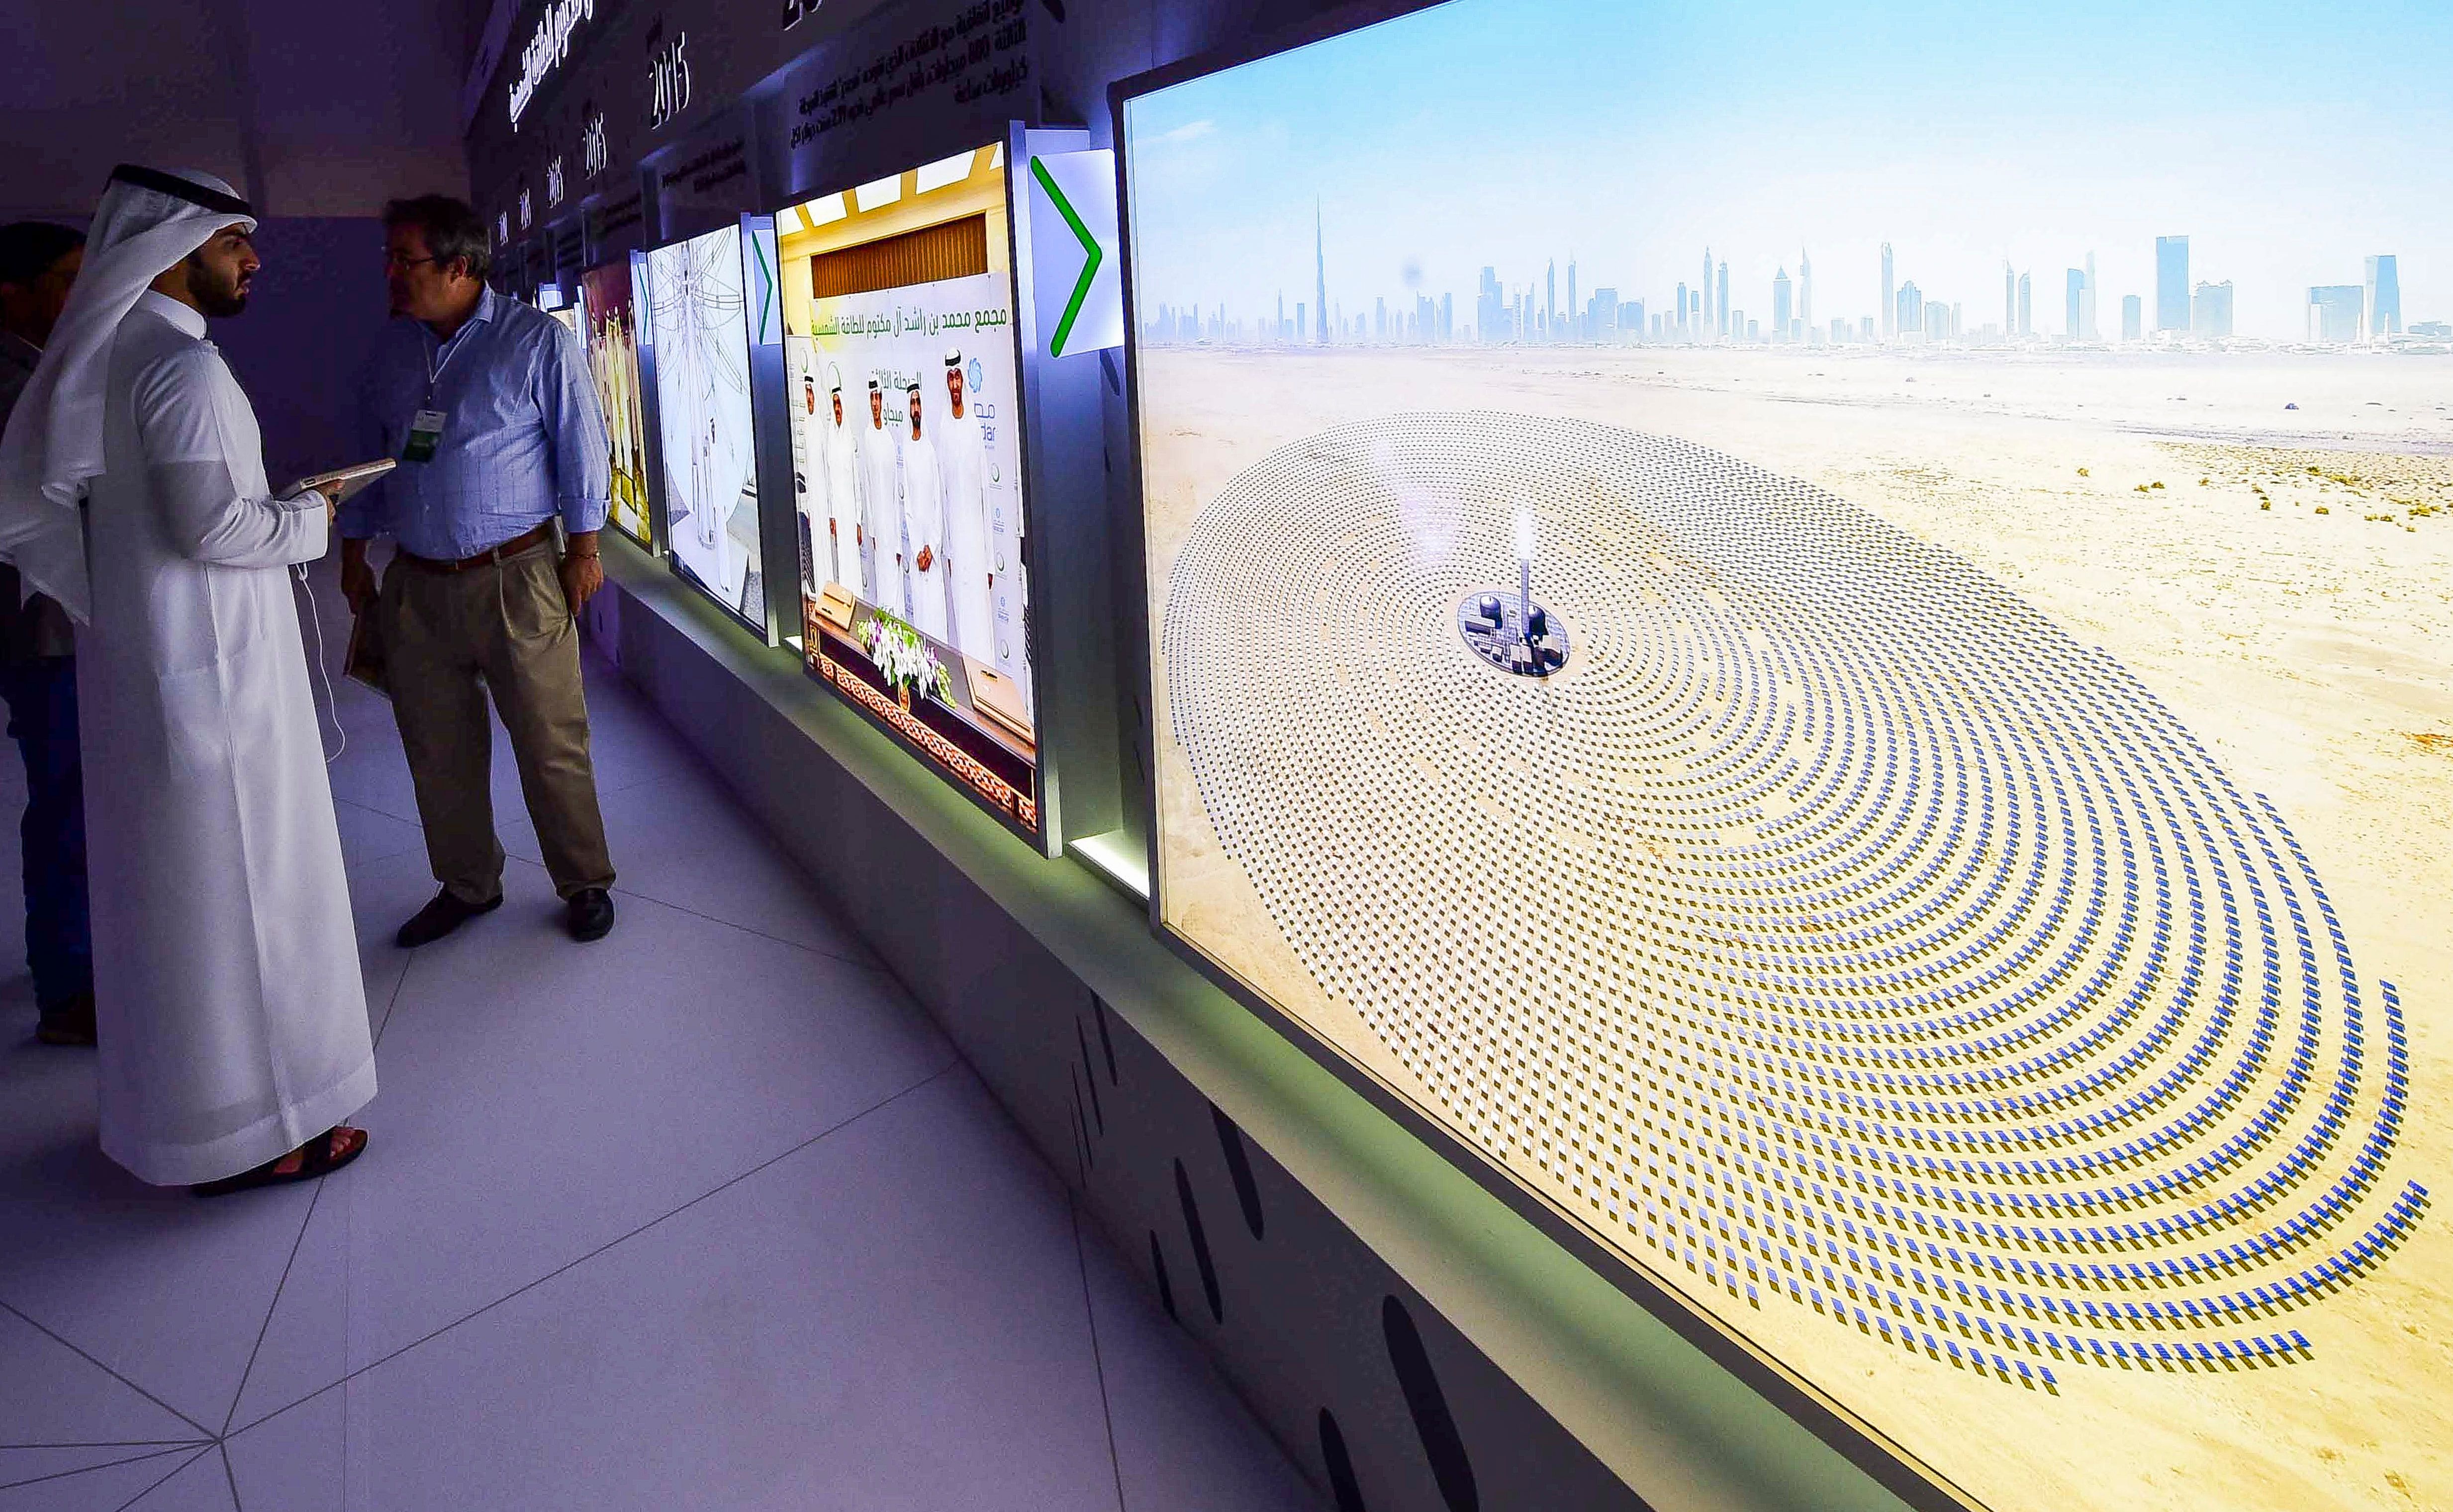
{"points": [[590, 914], [70, 1022], [439, 918]]}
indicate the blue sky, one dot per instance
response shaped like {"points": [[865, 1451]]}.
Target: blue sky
{"points": [[2286, 142]]}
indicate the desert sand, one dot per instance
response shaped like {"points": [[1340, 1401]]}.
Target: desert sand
{"points": [[2278, 577]]}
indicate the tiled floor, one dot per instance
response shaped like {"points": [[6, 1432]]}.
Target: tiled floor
{"points": [[706, 1215]]}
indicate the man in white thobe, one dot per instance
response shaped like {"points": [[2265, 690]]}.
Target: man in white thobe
{"points": [[842, 468], [924, 523], [808, 469], [229, 1008], [965, 467], [881, 509]]}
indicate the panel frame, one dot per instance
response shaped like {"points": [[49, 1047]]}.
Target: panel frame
{"points": [[650, 409], [1888, 1462], [1067, 551], [1051, 434], [759, 446], [650, 456]]}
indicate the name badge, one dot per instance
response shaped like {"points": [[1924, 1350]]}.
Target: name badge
{"points": [[424, 430]]}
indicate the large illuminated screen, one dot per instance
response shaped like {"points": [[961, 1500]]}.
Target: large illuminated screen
{"points": [[1823, 632], [907, 451], [611, 317], [701, 334]]}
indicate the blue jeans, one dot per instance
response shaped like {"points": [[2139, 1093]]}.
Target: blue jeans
{"points": [[42, 701]]}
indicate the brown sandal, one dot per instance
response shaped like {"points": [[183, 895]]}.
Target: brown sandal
{"points": [[315, 1159]]}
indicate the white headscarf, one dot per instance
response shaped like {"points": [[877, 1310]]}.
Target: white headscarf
{"points": [[147, 221]]}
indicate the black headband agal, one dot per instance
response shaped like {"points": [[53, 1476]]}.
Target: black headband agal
{"points": [[179, 188]]}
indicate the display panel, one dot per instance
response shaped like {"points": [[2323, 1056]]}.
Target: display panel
{"points": [[611, 320], [902, 366], [1901, 781], [702, 373]]}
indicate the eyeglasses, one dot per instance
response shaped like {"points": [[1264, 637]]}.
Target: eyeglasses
{"points": [[394, 260]]}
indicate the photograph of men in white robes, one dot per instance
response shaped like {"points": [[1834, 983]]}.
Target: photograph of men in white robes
{"points": [[965, 467], [842, 468], [924, 523], [881, 507], [229, 1008]]}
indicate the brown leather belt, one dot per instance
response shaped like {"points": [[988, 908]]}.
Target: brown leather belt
{"points": [[525, 541]]}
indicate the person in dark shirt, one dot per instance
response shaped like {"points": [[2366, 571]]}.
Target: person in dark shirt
{"points": [[38, 262]]}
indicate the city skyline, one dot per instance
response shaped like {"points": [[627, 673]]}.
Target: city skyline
{"points": [[1507, 310], [2038, 168]]}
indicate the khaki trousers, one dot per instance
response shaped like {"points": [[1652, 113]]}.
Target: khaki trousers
{"points": [[449, 640]]}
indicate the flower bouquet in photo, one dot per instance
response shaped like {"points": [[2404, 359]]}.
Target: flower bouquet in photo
{"points": [[905, 661]]}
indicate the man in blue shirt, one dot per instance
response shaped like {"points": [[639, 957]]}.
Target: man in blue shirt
{"points": [[490, 408]]}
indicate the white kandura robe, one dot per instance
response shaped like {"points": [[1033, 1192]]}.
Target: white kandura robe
{"points": [[880, 509], [809, 495], [924, 525], [233, 1017], [809, 466], [967, 536], [843, 503]]}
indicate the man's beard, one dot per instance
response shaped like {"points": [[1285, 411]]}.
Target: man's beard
{"points": [[214, 296]]}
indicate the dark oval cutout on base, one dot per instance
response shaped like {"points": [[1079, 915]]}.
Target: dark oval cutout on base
{"points": [[1239, 1166], [1157, 1268], [1441, 1444], [1339, 1465], [1200, 1245], [1091, 1076], [1107, 1042]]}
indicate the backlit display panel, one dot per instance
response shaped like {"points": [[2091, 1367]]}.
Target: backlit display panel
{"points": [[1845, 679]]}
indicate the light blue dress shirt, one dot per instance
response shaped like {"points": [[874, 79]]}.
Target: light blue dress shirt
{"points": [[523, 433]]}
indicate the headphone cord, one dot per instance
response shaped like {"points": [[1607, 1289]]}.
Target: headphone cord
{"points": [[332, 703]]}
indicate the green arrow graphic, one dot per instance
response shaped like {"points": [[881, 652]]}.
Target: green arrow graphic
{"points": [[766, 284], [1090, 267]]}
